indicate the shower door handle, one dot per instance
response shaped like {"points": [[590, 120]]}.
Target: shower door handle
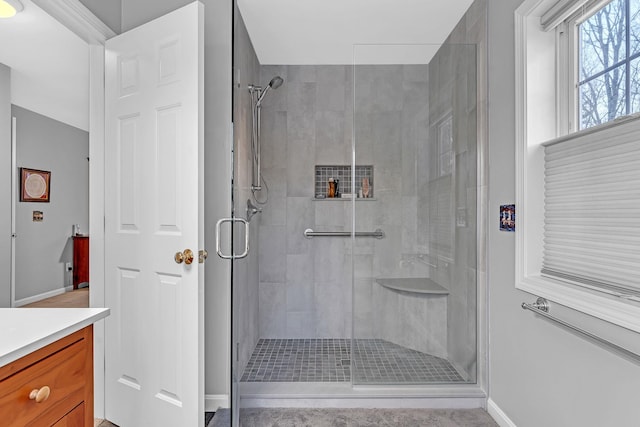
{"points": [[246, 238]]}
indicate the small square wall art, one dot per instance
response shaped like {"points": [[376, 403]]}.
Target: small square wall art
{"points": [[34, 185], [507, 217]]}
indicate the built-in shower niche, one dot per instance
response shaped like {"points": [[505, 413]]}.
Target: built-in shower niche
{"points": [[324, 174]]}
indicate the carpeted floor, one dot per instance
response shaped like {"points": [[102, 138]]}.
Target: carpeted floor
{"points": [[293, 417]]}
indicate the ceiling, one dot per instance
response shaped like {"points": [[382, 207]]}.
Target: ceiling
{"points": [[50, 63], [338, 31], [49, 66]]}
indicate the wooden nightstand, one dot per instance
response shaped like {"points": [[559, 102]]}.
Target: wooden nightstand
{"points": [[80, 260]]}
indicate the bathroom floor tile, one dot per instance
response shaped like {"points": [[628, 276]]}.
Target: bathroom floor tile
{"points": [[329, 360]]}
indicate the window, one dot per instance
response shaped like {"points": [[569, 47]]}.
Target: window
{"points": [[577, 197], [608, 62]]}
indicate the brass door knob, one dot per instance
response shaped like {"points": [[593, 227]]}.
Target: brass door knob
{"points": [[40, 395], [186, 256], [202, 255]]}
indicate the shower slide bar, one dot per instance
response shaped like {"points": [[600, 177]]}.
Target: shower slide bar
{"points": [[309, 233], [541, 307]]}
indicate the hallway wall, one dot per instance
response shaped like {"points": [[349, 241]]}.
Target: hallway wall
{"points": [[43, 248], [5, 186], [540, 374], [110, 12]]}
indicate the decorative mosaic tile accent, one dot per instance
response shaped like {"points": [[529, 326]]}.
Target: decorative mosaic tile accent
{"points": [[342, 173], [329, 360]]}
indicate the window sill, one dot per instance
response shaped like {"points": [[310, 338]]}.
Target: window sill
{"points": [[619, 311]]}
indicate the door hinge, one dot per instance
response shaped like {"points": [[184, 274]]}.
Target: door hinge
{"points": [[237, 352]]}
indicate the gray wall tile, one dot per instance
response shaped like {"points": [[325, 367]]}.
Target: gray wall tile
{"points": [[300, 216], [394, 107], [272, 258], [273, 320], [300, 295], [301, 73], [273, 138]]}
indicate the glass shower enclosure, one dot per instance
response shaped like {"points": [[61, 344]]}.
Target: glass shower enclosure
{"points": [[414, 290], [363, 262]]}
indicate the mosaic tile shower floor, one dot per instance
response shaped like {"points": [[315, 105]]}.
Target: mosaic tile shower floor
{"points": [[376, 361]]}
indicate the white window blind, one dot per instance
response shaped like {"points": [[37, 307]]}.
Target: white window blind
{"points": [[560, 11], [592, 208]]}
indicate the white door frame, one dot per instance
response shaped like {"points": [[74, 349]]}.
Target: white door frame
{"points": [[75, 16]]}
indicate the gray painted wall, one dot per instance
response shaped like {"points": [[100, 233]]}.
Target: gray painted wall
{"points": [[137, 12], [540, 373], [42, 248], [5, 186], [109, 11]]}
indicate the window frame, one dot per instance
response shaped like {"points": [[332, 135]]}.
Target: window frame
{"points": [[568, 53], [541, 116]]}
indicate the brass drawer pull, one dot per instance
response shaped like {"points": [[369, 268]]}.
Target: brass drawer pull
{"points": [[40, 395]]}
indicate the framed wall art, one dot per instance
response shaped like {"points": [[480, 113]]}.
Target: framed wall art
{"points": [[35, 185]]}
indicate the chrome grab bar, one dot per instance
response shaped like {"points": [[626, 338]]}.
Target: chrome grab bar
{"points": [[541, 307], [309, 233]]}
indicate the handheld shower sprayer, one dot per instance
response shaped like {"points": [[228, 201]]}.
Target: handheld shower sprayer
{"points": [[275, 83], [257, 95]]}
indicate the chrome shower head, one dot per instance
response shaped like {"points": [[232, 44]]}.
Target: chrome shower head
{"points": [[275, 83]]}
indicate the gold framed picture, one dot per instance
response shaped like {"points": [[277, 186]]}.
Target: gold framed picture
{"points": [[35, 185]]}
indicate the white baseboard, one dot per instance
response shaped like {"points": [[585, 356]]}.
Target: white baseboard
{"points": [[498, 415], [36, 298], [212, 402]]}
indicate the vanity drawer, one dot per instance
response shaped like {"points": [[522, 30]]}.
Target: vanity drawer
{"points": [[61, 366]]}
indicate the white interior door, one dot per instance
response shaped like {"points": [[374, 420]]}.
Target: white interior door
{"points": [[154, 209]]}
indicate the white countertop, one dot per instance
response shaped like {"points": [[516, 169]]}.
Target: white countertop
{"points": [[25, 330]]}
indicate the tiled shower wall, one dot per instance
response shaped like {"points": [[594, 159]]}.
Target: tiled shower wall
{"points": [[305, 284], [245, 275], [457, 91]]}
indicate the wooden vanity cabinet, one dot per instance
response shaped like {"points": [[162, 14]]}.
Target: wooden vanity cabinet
{"points": [[80, 260], [66, 368]]}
